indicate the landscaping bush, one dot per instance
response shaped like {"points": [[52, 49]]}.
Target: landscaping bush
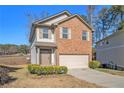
{"points": [[94, 64], [45, 70], [4, 78], [32, 68]]}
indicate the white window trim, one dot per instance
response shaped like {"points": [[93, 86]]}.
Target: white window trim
{"points": [[44, 39], [45, 32], [53, 57], [69, 33], [61, 33], [87, 36]]}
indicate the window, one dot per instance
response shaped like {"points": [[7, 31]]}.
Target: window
{"points": [[65, 33], [102, 43], [107, 42], [45, 33], [85, 36]]}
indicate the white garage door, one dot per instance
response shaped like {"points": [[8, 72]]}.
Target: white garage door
{"points": [[74, 61]]}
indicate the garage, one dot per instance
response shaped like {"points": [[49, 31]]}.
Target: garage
{"points": [[74, 61]]}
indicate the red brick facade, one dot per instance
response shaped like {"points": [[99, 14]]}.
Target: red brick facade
{"points": [[75, 45]]}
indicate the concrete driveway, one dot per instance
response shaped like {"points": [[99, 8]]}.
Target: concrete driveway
{"points": [[99, 78]]}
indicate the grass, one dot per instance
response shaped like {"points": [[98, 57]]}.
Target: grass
{"points": [[13, 60], [110, 71], [23, 79]]}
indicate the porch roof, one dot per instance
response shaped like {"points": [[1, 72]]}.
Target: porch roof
{"points": [[46, 44]]}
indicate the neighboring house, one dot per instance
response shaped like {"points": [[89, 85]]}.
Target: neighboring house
{"points": [[62, 39], [110, 50]]}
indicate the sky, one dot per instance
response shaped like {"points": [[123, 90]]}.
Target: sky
{"points": [[13, 20]]}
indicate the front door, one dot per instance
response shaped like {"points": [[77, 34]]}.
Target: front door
{"points": [[45, 57]]}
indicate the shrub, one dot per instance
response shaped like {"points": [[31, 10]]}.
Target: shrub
{"points": [[94, 64], [45, 70], [32, 68], [4, 78]]}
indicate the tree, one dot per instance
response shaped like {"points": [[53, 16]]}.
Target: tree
{"points": [[108, 20], [13, 49], [118, 11], [116, 15], [23, 49], [8, 49], [85, 18], [90, 13], [101, 22], [121, 25], [90, 18], [5, 48], [31, 17]]}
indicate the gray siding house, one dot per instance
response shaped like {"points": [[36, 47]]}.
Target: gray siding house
{"points": [[110, 50]]}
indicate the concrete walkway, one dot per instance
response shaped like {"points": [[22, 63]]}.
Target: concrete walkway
{"points": [[99, 78]]}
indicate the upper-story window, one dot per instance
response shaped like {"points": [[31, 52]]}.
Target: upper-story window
{"points": [[107, 42], [101, 43], [85, 35], [45, 33], [65, 33]]}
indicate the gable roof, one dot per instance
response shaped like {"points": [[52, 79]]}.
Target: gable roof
{"points": [[57, 23], [75, 15], [52, 17], [44, 20], [110, 36]]}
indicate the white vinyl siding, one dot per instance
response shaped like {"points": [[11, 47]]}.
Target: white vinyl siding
{"points": [[33, 55], [54, 20], [42, 35]]}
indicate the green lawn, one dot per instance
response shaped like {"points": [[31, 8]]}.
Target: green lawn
{"points": [[110, 71]]}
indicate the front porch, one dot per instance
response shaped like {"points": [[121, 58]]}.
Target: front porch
{"points": [[46, 54]]}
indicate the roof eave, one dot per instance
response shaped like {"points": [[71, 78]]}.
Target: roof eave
{"points": [[110, 36], [57, 23], [55, 15]]}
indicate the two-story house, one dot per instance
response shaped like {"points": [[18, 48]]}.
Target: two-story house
{"points": [[110, 50], [62, 39]]}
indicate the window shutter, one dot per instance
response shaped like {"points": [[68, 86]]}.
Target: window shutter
{"points": [[49, 34], [88, 36], [60, 32], [69, 33], [40, 33]]}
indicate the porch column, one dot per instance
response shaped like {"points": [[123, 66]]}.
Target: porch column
{"points": [[38, 54], [53, 57]]}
